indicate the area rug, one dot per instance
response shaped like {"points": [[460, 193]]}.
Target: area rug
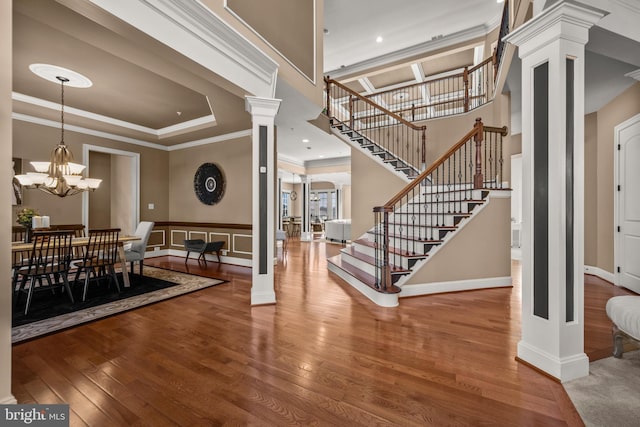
{"points": [[50, 313], [610, 395]]}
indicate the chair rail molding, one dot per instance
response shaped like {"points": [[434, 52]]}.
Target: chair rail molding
{"points": [[198, 33]]}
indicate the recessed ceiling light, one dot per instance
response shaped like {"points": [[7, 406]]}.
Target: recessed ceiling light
{"points": [[321, 156], [51, 73], [499, 1], [305, 140], [379, 39]]}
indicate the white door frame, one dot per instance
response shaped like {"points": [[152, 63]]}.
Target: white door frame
{"points": [[617, 132], [135, 181]]}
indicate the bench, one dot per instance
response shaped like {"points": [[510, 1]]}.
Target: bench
{"points": [[202, 248], [624, 312]]}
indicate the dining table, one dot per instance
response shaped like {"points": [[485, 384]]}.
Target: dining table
{"points": [[84, 241]]}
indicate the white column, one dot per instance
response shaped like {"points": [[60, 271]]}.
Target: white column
{"points": [[305, 227], [551, 45], [6, 216], [279, 201], [339, 195], [263, 112]]}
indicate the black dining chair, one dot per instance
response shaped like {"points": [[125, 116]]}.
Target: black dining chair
{"points": [[47, 267], [100, 257]]}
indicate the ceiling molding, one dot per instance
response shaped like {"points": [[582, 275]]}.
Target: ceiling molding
{"points": [[290, 160], [160, 133], [128, 140], [634, 74], [334, 161], [211, 140], [86, 131], [412, 51], [193, 30]]}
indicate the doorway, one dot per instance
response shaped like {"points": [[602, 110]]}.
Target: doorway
{"points": [[117, 204], [627, 204]]}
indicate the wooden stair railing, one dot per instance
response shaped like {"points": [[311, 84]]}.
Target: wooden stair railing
{"points": [[453, 93], [399, 137], [426, 209]]}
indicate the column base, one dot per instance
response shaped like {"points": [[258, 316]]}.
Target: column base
{"points": [[564, 369], [8, 400], [262, 291], [305, 237]]}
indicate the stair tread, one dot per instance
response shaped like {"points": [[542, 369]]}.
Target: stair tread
{"points": [[438, 227], [479, 201], [371, 260], [362, 276], [464, 214]]}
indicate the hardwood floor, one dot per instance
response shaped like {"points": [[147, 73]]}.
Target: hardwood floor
{"points": [[324, 355]]}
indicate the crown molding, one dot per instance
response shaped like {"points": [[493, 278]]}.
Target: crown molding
{"points": [[290, 160], [128, 140], [634, 74], [195, 31], [412, 51], [160, 133], [333, 161]]}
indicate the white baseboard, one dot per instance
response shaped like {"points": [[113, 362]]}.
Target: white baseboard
{"points": [[8, 400], [598, 272], [454, 286], [565, 368], [177, 252]]}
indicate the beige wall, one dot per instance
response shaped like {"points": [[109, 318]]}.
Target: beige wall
{"points": [[590, 189], [100, 201], [481, 250], [6, 215], [234, 159], [615, 112], [346, 201], [371, 185], [299, 81]]}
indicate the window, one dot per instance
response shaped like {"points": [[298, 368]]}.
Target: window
{"points": [[285, 204]]}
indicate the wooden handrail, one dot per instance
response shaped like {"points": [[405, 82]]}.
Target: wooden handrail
{"points": [[329, 81], [480, 65]]}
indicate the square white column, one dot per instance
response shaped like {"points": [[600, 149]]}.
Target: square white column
{"points": [[305, 227], [552, 50], [263, 168]]}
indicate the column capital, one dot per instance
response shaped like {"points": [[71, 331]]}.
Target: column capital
{"points": [[266, 107], [567, 20]]}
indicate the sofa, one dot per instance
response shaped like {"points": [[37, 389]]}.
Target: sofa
{"points": [[338, 230]]}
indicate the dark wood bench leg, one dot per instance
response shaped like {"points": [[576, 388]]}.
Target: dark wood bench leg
{"points": [[618, 347], [187, 258]]}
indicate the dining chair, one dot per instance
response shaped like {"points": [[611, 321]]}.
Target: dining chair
{"points": [[135, 253], [100, 257], [48, 265]]}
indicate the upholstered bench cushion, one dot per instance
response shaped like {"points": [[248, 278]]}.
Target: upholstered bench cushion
{"points": [[624, 312]]}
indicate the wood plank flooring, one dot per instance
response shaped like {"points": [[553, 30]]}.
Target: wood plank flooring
{"points": [[324, 355]]}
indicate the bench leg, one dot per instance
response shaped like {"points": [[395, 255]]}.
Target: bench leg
{"points": [[618, 347], [187, 258]]}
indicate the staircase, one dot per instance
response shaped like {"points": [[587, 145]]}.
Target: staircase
{"points": [[425, 216]]}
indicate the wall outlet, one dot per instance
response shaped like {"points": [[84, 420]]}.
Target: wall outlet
{"points": [[224, 252], [151, 206]]}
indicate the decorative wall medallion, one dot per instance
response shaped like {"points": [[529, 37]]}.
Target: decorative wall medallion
{"points": [[209, 183]]}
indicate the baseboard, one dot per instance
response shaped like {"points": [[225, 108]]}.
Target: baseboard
{"points": [[176, 252], [564, 369], [598, 272], [454, 286], [8, 400]]}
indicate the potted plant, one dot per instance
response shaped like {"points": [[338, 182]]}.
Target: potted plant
{"points": [[25, 218]]}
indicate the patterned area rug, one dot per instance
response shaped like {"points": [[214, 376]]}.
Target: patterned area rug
{"points": [[167, 284], [610, 395]]}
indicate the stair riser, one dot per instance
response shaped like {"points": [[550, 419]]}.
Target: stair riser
{"points": [[399, 260], [448, 220], [446, 197], [408, 245], [358, 263], [415, 232], [464, 207]]}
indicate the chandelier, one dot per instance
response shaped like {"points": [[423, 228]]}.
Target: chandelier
{"points": [[60, 176]]}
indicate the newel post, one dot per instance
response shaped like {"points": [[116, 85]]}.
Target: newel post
{"points": [[477, 178]]}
